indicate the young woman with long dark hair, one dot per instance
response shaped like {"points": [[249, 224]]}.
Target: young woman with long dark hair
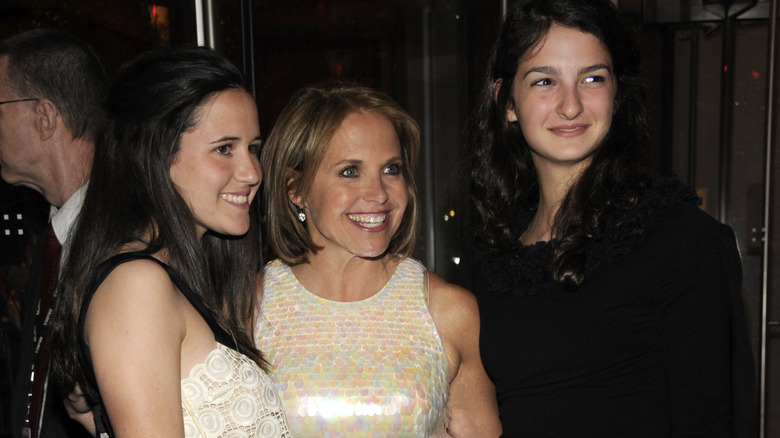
{"points": [[609, 302], [156, 299]]}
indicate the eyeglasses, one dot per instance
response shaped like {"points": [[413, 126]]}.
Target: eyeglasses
{"points": [[27, 99]]}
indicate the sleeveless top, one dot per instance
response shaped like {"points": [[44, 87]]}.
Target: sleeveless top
{"points": [[370, 368], [228, 395]]}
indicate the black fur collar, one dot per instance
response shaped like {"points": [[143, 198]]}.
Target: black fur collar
{"points": [[523, 270]]}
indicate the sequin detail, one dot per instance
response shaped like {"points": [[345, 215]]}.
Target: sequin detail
{"points": [[371, 368], [229, 396]]}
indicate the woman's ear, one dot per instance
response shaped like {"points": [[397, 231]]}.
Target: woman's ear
{"points": [[496, 88], [510, 111], [291, 181]]}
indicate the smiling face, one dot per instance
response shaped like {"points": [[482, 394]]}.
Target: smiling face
{"points": [[358, 196], [217, 170], [563, 96]]}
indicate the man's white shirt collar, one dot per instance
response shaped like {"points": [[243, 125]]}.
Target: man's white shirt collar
{"points": [[63, 218]]}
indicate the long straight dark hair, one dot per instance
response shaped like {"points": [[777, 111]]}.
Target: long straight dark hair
{"points": [[502, 176], [156, 99]]}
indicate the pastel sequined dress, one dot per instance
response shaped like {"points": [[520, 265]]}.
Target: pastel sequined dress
{"points": [[226, 396], [370, 368]]}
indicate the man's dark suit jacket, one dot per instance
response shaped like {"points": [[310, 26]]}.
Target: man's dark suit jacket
{"points": [[56, 423]]}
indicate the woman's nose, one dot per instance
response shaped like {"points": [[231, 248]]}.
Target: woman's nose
{"points": [[570, 105], [248, 169], [376, 190]]}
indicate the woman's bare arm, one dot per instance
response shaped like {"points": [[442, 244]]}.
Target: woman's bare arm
{"points": [[472, 403], [135, 329]]}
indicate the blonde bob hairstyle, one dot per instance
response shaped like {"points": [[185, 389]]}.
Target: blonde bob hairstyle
{"points": [[296, 146]]}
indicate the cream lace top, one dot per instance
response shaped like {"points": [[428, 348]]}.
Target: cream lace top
{"points": [[228, 395]]}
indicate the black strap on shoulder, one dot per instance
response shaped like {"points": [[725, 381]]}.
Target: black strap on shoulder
{"points": [[102, 272]]}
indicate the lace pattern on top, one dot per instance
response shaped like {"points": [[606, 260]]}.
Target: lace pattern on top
{"points": [[229, 396]]}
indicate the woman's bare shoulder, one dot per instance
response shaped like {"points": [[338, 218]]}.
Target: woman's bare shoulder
{"points": [[451, 301]]}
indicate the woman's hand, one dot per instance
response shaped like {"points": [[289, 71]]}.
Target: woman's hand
{"points": [[77, 408]]}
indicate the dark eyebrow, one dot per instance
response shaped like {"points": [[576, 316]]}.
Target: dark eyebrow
{"points": [[543, 69], [595, 67], [548, 70], [224, 139]]}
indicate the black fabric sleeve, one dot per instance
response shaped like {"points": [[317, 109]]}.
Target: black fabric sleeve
{"points": [[703, 337]]}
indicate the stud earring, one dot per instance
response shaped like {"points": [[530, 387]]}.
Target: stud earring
{"points": [[301, 215]]}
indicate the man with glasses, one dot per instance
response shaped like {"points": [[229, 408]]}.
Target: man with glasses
{"points": [[52, 90]]}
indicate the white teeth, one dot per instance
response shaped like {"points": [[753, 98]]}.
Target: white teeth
{"points": [[368, 220], [236, 199]]}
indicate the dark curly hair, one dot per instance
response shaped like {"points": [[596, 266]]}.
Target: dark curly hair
{"points": [[502, 177]]}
